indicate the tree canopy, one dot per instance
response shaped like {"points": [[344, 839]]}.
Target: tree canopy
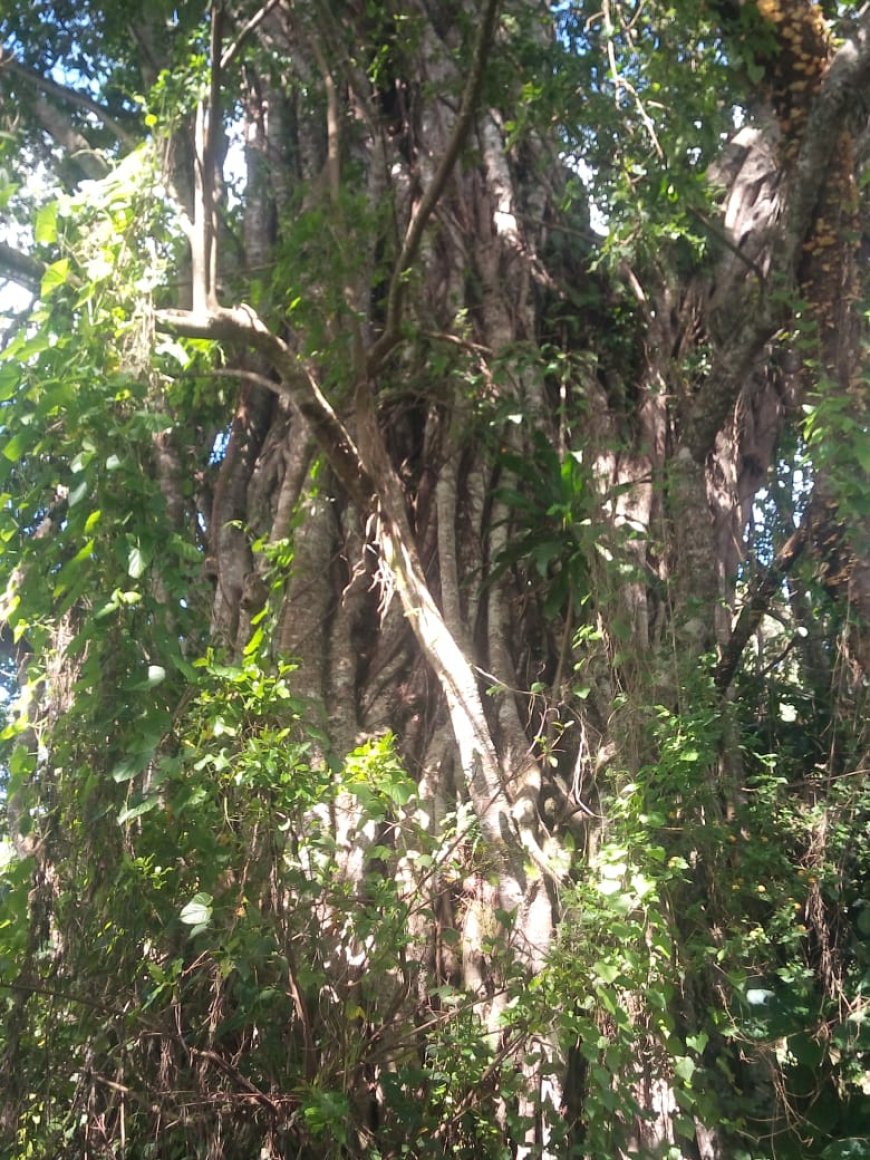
{"points": [[434, 579]]}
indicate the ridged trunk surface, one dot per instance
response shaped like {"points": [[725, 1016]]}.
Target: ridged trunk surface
{"points": [[508, 548]]}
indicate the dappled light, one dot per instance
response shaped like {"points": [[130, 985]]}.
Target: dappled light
{"points": [[434, 580]]}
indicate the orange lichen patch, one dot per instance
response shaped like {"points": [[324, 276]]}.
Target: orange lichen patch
{"points": [[803, 53], [770, 10], [795, 55], [828, 276], [828, 268]]}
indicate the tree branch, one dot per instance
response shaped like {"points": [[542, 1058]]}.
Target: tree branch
{"points": [[91, 164], [256, 20], [69, 96], [241, 324], [432, 196], [759, 600], [21, 268], [203, 240], [763, 314]]}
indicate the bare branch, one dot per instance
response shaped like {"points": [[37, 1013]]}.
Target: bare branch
{"points": [[77, 146], [758, 602], [20, 267], [203, 239], [241, 324], [432, 196], [69, 96], [256, 20]]}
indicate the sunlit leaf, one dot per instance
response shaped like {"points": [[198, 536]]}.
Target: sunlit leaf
{"points": [[198, 911], [45, 226], [137, 562], [55, 276], [142, 806]]}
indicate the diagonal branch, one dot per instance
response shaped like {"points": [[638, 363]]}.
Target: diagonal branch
{"points": [[430, 199], [241, 324], [759, 600], [764, 312], [255, 21], [20, 267], [81, 153], [67, 95], [478, 755], [371, 483]]}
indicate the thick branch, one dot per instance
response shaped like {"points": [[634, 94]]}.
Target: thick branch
{"points": [[256, 20], [767, 309], [432, 196], [455, 675], [759, 601], [69, 96], [21, 268], [241, 324], [77, 146]]}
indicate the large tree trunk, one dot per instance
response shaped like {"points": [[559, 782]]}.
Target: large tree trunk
{"points": [[503, 578]]}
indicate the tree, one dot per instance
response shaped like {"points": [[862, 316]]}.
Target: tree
{"points": [[437, 627]]}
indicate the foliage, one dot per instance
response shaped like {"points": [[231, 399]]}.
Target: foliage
{"points": [[252, 902], [552, 529]]}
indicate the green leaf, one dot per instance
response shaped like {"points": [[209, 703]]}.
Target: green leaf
{"points": [[55, 275], [15, 447], [807, 1049], [684, 1126], [78, 493], [21, 760], [855, 1148], [45, 228], [137, 562], [198, 911], [543, 555], [128, 767], [862, 453], [23, 349], [10, 376], [70, 570], [606, 972], [140, 807], [685, 1068], [399, 790]]}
